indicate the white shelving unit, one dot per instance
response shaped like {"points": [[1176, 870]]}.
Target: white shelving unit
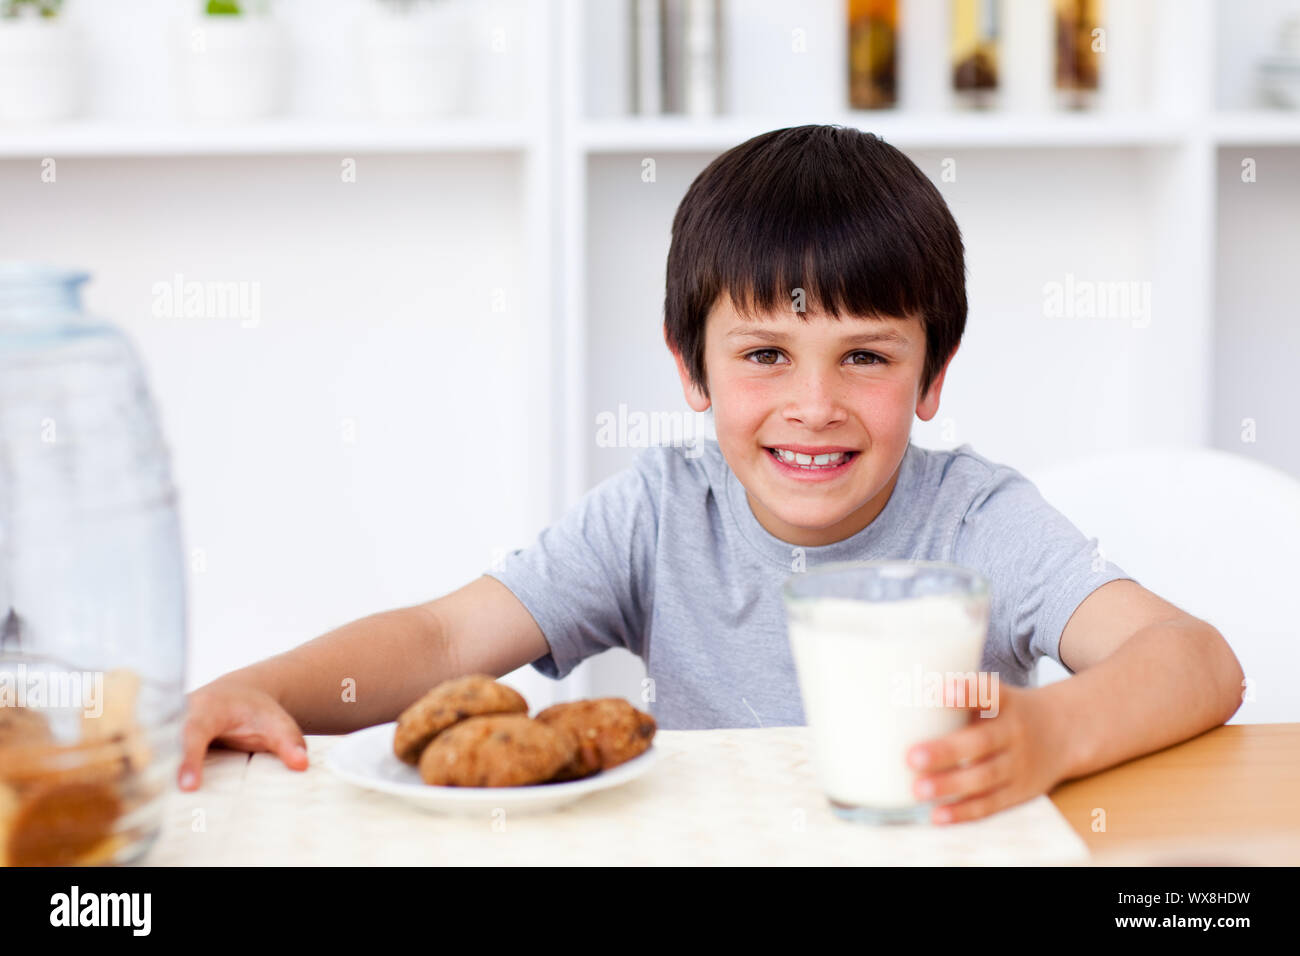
{"points": [[1128, 196]]}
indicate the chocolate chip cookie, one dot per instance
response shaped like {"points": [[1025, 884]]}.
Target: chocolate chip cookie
{"points": [[605, 732], [502, 750], [451, 701]]}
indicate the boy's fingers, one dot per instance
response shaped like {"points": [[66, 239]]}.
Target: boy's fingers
{"points": [[975, 807], [290, 745], [981, 777], [194, 744], [972, 742]]}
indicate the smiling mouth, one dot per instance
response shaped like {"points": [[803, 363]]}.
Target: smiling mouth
{"points": [[827, 462]]}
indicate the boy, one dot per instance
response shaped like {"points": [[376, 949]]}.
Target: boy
{"points": [[815, 298]]}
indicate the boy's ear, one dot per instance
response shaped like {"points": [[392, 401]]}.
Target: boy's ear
{"points": [[694, 397], [928, 406]]}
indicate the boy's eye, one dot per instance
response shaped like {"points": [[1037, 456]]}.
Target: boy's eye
{"points": [[878, 359]]}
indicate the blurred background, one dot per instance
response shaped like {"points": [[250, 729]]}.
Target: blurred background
{"points": [[396, 268]]}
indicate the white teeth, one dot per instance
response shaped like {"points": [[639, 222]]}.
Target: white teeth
{"points": [[831, 459]]}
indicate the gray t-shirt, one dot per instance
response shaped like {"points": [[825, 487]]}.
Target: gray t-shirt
{"points": [[666, 559]]}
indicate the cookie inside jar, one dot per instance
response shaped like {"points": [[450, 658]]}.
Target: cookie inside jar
{"points": [[84, 758]]}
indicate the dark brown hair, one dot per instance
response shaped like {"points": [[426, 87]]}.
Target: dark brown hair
{"points": [[836, 212]]}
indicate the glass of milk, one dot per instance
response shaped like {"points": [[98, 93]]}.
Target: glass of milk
{"points": [[874, 644]]}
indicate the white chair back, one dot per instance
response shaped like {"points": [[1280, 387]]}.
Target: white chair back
{"points": [[1215, 533]]}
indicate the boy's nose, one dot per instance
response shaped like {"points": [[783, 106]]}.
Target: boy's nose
{"points": [[816, 400]]}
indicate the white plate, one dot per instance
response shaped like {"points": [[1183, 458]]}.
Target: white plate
{"points": [[366, 758]]}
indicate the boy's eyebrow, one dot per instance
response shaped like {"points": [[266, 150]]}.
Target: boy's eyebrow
{"points": [[770, 335]]}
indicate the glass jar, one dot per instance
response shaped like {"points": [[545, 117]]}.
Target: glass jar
{"points": [[92, 603]]}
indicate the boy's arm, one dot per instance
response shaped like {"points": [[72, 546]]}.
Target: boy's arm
{"points": [[1147, 675], [393, 657]]}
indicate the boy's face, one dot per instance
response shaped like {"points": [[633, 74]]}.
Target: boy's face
{"points": [[813, 383]]}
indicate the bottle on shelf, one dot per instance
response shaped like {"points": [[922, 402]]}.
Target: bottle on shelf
{"points": [[873, 59], [689, 45], [975, 53], [1079, 40]]}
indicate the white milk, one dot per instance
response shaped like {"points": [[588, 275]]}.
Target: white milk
{"points": [[854, 661]]}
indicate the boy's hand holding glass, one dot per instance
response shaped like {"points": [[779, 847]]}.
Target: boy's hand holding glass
{"points": [[994, 762]]}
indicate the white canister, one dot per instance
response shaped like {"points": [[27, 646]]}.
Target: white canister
{"points": [[232, 67], [40, 70], [1026, 57], [414, 61], [924, 81], [1126, 62], [499, 50]]}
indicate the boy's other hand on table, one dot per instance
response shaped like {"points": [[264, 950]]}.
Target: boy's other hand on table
{"points": [[239, 717]]}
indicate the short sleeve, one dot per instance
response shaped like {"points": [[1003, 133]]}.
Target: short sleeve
{"points": [[586, 580], [1040, 568]]}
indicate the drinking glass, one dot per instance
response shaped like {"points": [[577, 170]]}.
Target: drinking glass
{"points": [[875, 643]]}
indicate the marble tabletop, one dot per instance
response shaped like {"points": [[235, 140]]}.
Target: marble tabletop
{"points": [[735, 796]]}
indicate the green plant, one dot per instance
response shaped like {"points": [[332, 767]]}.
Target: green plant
{"points": [[13, 9], [235, 8]]}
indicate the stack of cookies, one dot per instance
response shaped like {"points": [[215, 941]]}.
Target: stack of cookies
{"points": [[473, 731], [60, 803]]}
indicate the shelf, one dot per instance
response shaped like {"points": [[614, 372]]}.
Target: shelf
{"points": [[1258, 127], [634, 135], [271, 137], [684, 134]]}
